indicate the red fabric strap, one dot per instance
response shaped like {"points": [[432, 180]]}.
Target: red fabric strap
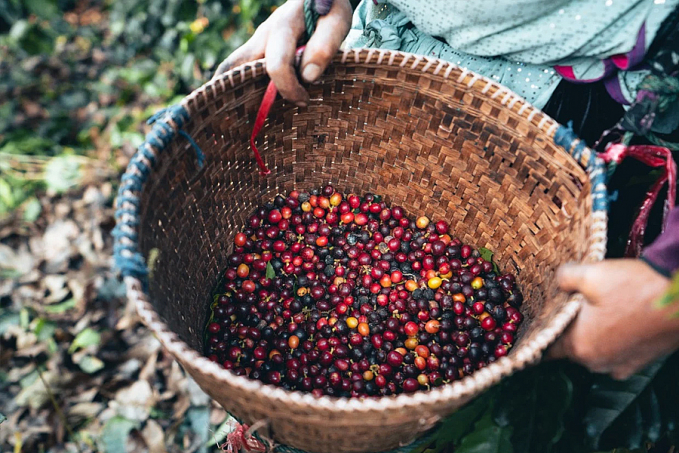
{"points": [[653, 156], [262, 113]]}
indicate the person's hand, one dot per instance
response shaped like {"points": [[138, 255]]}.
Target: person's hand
{"points": [[276, 41], [619, 330]]}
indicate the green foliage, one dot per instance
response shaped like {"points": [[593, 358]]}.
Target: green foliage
{"points": [[199, 420], [487, 437], [87, 337], [270, 272], [534, 403], [610, 399], [559, 407], [457, 425], [90, 364], [8, 319], [81, 77], [487, 255], [114, 435], [639, 410], [61, 307], [62, 173], [671, 296]]}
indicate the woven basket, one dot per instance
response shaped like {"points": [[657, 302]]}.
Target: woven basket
{"points": [[424, 133]]}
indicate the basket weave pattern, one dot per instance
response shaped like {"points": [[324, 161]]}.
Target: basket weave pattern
{"points": [[427, 135]]}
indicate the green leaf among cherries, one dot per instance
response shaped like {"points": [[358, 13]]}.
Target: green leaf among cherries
{"points": [[270, 272], [487, 255]]}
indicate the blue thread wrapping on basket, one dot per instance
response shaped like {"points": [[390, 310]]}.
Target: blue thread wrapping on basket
{"points": [[132, 212], [119, 232], [568, 140], [131, 221], [148, 154], [127, 257], [132, 199], [200, 156], [131, 182]]}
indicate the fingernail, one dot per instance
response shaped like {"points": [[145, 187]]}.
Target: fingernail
{"points": [[311, 72]]}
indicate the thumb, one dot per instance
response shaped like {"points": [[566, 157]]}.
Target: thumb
{"points": [[326, 40], [574, 277]]}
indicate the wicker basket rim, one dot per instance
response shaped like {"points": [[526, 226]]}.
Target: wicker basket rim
{"points": [[526, 352]]}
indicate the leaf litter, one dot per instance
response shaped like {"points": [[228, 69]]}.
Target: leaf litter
{"points": [[78, 371]]}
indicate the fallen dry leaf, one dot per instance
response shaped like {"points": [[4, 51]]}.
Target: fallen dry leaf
{"points": [[36, 394], [154, 437], [83, 411], [135, 402], [61, 278]]}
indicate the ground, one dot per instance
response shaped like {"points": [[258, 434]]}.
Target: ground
{"points": [[76, 362]]}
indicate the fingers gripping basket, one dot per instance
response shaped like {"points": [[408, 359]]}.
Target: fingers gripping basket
{"points": [[424, 133]]}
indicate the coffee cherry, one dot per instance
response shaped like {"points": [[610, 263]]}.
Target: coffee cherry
{"points": [[422, 222], [488, 323], [516, 317], [243, 270], [438, 248], [410, 385], [249, 286], [432, 326], [395, 358], [500, 351], [240, 240], [363, 329], [411, 329], [365, 302]]}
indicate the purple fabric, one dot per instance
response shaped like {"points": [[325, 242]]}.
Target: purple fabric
{"points": [[634, 56], [567, 72], [622, 62], [612, 85], [664, 252], [323, 7]]}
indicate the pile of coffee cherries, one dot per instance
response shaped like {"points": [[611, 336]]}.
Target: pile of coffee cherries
{"points": [[346, 296]]}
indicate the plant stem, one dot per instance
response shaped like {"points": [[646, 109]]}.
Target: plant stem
{"points": [[58, 410]]}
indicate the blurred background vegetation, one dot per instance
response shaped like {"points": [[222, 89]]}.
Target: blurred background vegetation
{"points": [[78, 79]]}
